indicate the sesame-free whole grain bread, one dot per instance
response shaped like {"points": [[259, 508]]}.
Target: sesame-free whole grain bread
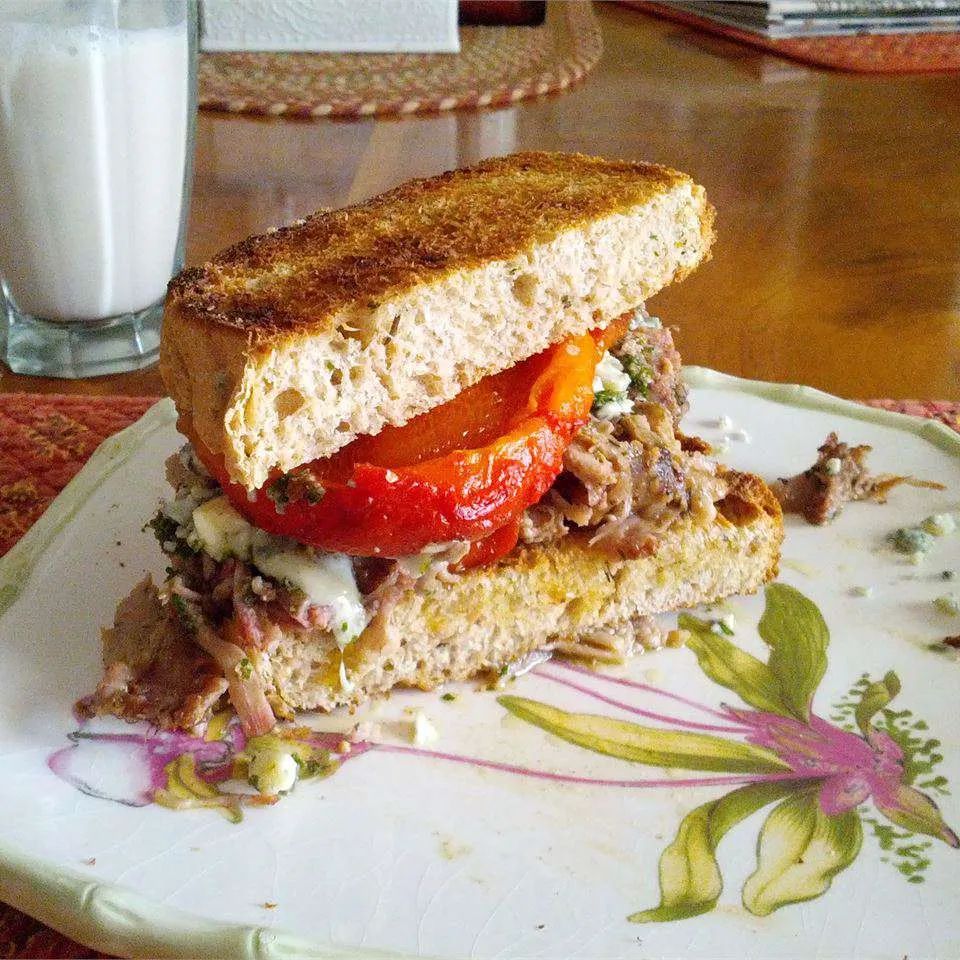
{"points": [[567, 596], [287, 346]]}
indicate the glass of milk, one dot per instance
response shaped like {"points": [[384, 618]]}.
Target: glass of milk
{"points": [[97, 110]]}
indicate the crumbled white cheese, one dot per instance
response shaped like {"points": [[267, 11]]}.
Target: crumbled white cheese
{"points": [[614, 408], [723, 423], [326, 578], [368, 731], [610, 375], [740, 436], [641, 318], [181, 508], [424, 732], [940, 524], [611, 378], [221, 531], [832, 466], [271, 767], [911, 540]]}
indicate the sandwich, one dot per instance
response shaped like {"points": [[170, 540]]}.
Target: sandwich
{"points": [[430, 437]]}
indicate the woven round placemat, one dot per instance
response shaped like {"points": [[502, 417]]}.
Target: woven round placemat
{"points": [[495, 66], [44, 440], [858, 53]]}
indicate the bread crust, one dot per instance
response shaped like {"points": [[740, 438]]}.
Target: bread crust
{"points": [[414, 234], [285, 347]]}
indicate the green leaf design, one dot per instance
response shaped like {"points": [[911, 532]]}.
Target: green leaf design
{"points": [[916, 812], [799, 852], [794, 629], [648, 745], [725, 663], [690, 880], [875, 697]]}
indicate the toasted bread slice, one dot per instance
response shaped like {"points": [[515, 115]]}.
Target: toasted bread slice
{"points": [[567, 595], [287, 346]]}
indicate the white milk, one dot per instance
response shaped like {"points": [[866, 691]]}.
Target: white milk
{"points": [[93, 129]]}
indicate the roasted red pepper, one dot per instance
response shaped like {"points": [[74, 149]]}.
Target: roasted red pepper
{"points": [[462, 471]]}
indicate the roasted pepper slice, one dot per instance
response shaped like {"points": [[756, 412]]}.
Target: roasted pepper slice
{"points": [[461, 471]]}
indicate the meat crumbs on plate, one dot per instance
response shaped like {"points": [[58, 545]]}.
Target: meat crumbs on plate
{"points": [[839, 475]]}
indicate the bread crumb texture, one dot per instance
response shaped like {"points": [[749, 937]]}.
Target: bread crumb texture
{"points": [[541, 595], [287, 346]]}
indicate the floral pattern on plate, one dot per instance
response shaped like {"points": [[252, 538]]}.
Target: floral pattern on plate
{"points": [[816, 774]]}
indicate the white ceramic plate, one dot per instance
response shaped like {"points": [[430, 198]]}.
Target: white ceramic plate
{"points": [[496, 845]]}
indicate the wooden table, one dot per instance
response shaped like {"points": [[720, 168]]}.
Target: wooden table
{"points": [[838, 198]]}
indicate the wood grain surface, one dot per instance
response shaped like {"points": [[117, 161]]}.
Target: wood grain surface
{"points": [[838, 197]]}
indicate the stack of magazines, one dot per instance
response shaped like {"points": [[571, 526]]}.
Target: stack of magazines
{"points": [[803, 18]]}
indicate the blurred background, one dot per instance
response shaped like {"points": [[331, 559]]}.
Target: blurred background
{"points": [[837, 261], [833, 162]]}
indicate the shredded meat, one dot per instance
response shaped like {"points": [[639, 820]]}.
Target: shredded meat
{"points": [[174, 652], [839, 475], [184, 469], [627, 479], [614, 645], [381, 582], [155, 671], [649, 354], [542, 523], [615, 468]]}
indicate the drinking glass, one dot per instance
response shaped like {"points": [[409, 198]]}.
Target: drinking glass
{"points": [[97, 114]]}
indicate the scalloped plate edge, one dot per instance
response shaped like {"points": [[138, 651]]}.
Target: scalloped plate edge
{"points": [[796, 395], [114, 919]]}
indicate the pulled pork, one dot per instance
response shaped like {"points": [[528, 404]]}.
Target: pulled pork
{"points": [[155, 672], [614, 645], [629, 478], [649, 355], [175, 651], [839, 475]]}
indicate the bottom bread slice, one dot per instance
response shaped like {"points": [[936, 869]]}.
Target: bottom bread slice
{"points": [[559, 594], [564, 595]]}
